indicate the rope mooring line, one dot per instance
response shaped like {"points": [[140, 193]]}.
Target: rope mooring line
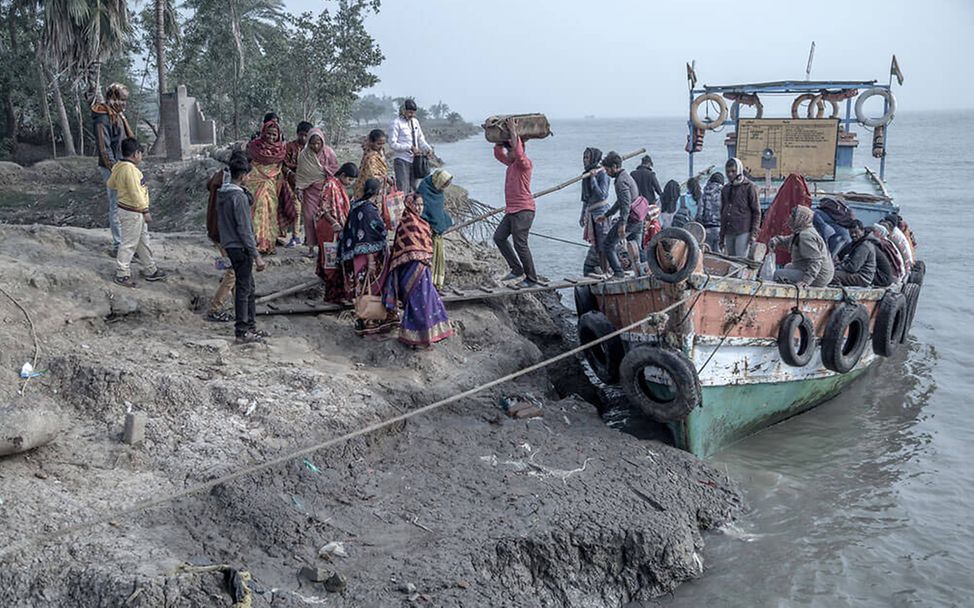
{"points": [[8, 551]]}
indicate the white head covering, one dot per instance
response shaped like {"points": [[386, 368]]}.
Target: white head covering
{"points": [[739, 166]]}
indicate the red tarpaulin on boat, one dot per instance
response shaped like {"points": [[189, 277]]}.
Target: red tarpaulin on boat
{"points": [[792, 193]]}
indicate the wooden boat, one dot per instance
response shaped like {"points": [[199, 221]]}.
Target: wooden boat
{"points": [[731, 356]]}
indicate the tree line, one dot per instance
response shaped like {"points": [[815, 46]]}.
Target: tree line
{"points": [[239, 58], [371, 108]]}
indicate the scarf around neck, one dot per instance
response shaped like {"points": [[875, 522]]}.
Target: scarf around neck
{"points": [[266, 153]]}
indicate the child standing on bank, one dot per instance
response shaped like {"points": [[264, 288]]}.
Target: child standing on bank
{"points": [[133, 216]]}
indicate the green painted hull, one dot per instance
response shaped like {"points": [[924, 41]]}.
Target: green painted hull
{"points": [[731, 412]]}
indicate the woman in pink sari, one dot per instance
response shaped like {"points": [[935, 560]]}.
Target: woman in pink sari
{"points": [[266, 154], [316, 164]]}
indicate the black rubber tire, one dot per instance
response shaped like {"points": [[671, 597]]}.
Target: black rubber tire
{"points": [[584, 300], [917, 273], [796, 355], [693, 255], [891, 318], [840, 354], [684, 395], [605, 357], [911, 292]]}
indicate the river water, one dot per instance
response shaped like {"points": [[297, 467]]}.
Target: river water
{"points": [[868, 499]]}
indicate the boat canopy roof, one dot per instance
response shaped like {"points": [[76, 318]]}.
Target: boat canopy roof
{"points": [[790, 86]]}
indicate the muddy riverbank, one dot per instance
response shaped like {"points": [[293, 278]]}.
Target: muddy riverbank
{"points": [[464, 506]]}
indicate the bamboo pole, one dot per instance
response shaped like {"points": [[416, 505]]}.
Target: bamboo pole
{"points": [[288, 291], [536, 195]]}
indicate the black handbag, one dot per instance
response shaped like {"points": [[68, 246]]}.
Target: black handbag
{"points": [[421, 162]]}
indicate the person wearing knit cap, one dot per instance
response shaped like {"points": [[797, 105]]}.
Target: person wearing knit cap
{"points": [[811, 265]]}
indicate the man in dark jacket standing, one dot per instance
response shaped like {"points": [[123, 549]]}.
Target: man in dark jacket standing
{"points": [[857, 260], [237, 238], [646, 181], [628, 225], [110, 128], [740, 211]]}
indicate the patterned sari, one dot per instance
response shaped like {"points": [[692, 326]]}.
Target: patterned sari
{"points": [[363, 254], [333, 210], [263, 182], [410, 281], [373, 165]]}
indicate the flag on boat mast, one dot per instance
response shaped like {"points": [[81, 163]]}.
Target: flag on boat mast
{"points": [[894, 70], [692, 74]]}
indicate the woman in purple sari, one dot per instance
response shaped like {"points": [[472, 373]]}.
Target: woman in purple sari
{"points": [[410, 281]]}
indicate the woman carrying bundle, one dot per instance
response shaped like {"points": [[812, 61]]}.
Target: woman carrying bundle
{"points": [[410, 281]]}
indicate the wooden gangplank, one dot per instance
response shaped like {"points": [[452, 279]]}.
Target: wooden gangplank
{"points": [[450, 295]]}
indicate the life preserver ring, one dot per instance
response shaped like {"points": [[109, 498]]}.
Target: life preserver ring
{"points": [[911, 292], [811, 98], [604, 357], [796, 353], [695, 116], [584, 300], [692, 255], [883, 120], [891, 318], [661, 381], [817, 107], [841, 352]]}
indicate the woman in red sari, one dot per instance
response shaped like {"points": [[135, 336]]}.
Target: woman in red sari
{"points": [[333, 206], [266, 154]]}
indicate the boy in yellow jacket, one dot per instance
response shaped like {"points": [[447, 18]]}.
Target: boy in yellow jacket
{"points": [[133, 216]]}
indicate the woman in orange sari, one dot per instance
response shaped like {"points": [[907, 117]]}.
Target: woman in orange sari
{"points": [[333, 209], [374, 163], [266, 154]]}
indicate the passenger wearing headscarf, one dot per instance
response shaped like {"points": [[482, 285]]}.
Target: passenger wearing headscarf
{"points": [[266, 154], [363, 254], [410, 280], [316, 163], [332, 214], [595, 194], [898, 237], [740, 211], [432, 190], [811, 264], [890, 267], [708, 212]]}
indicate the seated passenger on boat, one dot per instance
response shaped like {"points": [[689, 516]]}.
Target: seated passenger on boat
{"points": [[892, 224], [832, 220], [857, 260], [811, 264], [889, 262]]}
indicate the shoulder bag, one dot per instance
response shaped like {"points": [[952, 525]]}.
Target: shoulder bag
{"points": [[421, 162]]}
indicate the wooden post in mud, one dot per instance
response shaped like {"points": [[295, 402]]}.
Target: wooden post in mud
{"points": [[536, 195]]}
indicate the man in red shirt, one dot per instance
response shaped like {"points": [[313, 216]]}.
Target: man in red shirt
{"points": [[519, 210]]}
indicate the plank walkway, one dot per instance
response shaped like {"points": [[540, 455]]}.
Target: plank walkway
{"points": [[450, 295]]}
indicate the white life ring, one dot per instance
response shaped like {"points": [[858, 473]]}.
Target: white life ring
{"points": [[883, 120], [816, 107], [695, 106], [813, 101]]}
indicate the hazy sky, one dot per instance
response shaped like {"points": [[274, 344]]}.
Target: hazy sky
{"points": [[624, 58]]}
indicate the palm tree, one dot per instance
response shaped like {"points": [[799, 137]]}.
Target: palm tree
{"points": [[166, 28]]}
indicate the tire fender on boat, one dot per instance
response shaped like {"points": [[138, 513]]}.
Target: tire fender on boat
{"points": [[891, 318], [584, 300], [695, 115], [735, 109], [689, 264], [667, 401], [917, 273], [841, 353], [911, 292], [890, 107], [604, 357], [796, 354]]}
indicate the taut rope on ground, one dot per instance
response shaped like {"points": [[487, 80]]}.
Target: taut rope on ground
{"points": [[199, 488], [33, 333]]}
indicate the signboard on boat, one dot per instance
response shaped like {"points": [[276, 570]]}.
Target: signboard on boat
{"points": [[805, 146]]}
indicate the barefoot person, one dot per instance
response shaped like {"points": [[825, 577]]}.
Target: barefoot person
{"points": [[332, 215], [290, 229], [316, 164], [410, 281], [432, 189], [133, 216], [111, 127], [266, 154], [519, 209], [237, 238]]}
